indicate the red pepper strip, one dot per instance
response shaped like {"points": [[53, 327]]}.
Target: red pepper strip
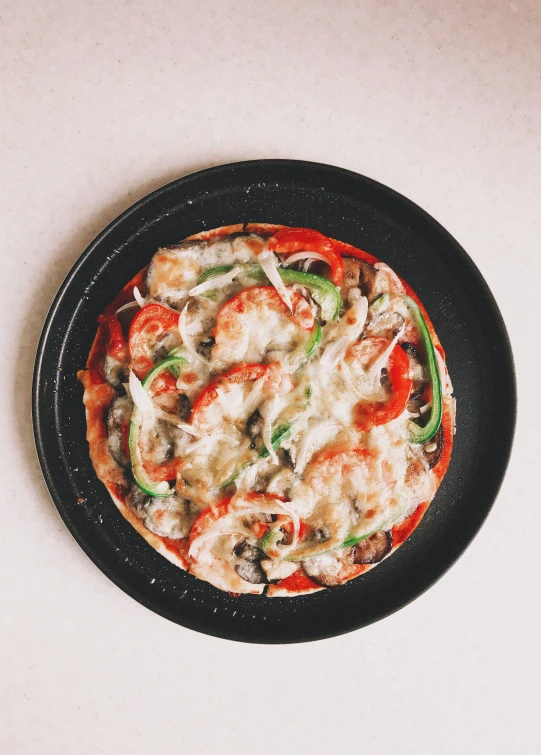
{"points": [[378, 412], [100, 346], [352, 251], [109, 341], [286, 523], [96, 359], [116, 345], [292, 240], [259, 529], [149, 324], [239, 374]]}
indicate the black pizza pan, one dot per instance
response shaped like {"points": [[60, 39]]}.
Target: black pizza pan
{"points": [[343, 205]]}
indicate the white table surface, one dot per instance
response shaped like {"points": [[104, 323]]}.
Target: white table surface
{"points": [[103, 102]]}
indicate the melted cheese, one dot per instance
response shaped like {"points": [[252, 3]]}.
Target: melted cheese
{"points": [[340, 481], [259, 334], [169, 517], [175, 270]]}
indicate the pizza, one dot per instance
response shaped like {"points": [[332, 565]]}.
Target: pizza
{"points": [[270, 408]]}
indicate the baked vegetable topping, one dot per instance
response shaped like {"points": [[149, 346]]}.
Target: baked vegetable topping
{"points": [[278, 408]]}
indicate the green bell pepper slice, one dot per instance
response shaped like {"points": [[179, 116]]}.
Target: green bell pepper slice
{"points": [[148, 486], [416, 433]]}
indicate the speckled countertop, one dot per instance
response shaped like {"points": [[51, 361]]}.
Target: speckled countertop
{"points": [[103, 102]]}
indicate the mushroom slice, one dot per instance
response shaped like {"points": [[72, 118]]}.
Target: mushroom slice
{"points": [[118, 419], [373, 549], [352, 274], [378, 279], [249, 565], [251, 571], [332, 569], [417, 370]]}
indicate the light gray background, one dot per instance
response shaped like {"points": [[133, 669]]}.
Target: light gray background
{"points": [[103, 102]]}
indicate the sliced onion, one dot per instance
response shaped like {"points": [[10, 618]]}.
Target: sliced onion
{"points": [[269, 263], [253, 398], [215, 530], [383, 358], [217, 282], [270, 508], [148, 409], [129, 305], [208, 439], [183, 328], [228, 526], [306, 256], [337, 518], [138, 297], [247, 478], [354, 387], [335, 351], [172, 419], [444, 375], [270, 411], [314, 438], [141, 399], [397, 286]]}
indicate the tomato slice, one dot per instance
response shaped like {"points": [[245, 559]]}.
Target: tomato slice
{"points": [[298, 582], [239, 374], [268, 297], [339, 453], [254, 319], [149, 324], [208, 517], [380, 412], [291, 240]]}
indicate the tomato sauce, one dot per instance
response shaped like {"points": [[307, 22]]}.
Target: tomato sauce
{"points": [[402, 531], [298, 582]]}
